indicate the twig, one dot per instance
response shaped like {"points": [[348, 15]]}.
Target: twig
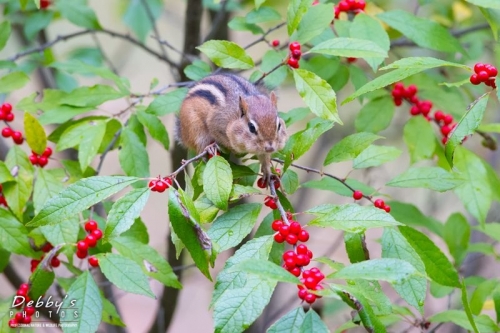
{"points": [[263, 37], [194, 159], [62, 38], [104, 56], [170, 46], [271, 71], [217, 22], [151, 17]]}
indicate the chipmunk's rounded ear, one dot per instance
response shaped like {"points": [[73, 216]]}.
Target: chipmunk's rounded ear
{"points": [[243, 107], [274, 99]]}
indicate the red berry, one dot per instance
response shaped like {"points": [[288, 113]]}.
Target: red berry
{"points": [[302, 260], [22, 292], [7, 132], [91, 225], [29, 310], [44, 4], [24, 286], [292, 239], [387, 208], [42, 161], [296, 54], [261, 182], [19, 317], [289, 255], [152, 185], [344, 6], [13, 323], [414, 110], [379, 203], [303, 293], [6, 107], [279, 238], [483, 76], [448, 119], [93, 261], [2, 115], [82, 246], [295, 271], [289, 216], [397, 93], [492, 71], [277, 184], [27, 320], [290, 263], [294, 63], [284, 230], [479, 67], [47, 152], [33, 159], [361, 4], [399, 86], [97, 234], [17, 137], [425, 107], [309, 254], [275, 43], [351, 60], [47, 247], [439, 115], [302, 249], [168, 181], [295, 227], [270, 202], [161, 186], [444, 140], [294, 46], [55, 262], [303, 236], [9, 117], [398, 101], [276, 225], [474, 79], [445, 130], [81, 254], [337, 12], [90, 240], [357, 195], [310, 282]]}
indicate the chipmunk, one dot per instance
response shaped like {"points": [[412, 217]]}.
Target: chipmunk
{"points": [[234, 113]]}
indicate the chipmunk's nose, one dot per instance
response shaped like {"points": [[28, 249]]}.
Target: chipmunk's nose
{"points": [[269, 147]]}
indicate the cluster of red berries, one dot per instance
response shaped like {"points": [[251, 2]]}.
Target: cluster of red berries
{"points": [[444, 121], [311, 279], [484, 73], [270, 202], [2, 198], [349, 6], [379, 203], [295, 54], [7, 116], [41, 160], [160, 184], [23, 317], [54, 262], [90, 241], [261, 182], [290, 233]]}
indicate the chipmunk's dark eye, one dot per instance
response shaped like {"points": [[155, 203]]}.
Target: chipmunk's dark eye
{"points": [[252, 129], [279, 126]]}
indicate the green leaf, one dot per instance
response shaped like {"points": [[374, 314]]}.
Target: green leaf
{"points": [[85, 301], [404, 68], [317, 94], [391, 270], [189, 232], [291, 322], [374, 156], [485, 3], [200, 69], [218, 181], [313, 323], [265, 270], [289, 181], [259, 3], [35, 134], [151, 262], [91, 96], [484, 323], [229, 229], [330, 184], [467, 125], [226, 54], [4, 33], [350, 147], [4, 259], [425, 33], [411, 216], [109, 313], [18, 193], [124, 273], [155, 128], [351, 217], [78, 197], [139, 19], [295, 12], [492, 17], [350, 47], [74, 133], [313, 23], [77, 12], [437, 266], [65, 232], [368, 28], [456, 235], [420, 139], [263, 14], [375, 116], [433, 178], [46, 186], [481, 294], [413, 290], [13, 81], [134, 158], [90, 143], [168, 103], [5, 175], [36, 22], [240, 24], [14, 235], [124, 212], [41, 279]]}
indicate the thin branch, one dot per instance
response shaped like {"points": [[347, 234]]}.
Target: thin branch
{"points": [[270, 72], [151, 17], [263, 37], [103, 55], [403, 41], [111, 33], [217, 21]]}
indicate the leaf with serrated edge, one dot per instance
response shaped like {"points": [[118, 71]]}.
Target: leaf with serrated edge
{"points": [[376, 115], [226, 54], [124, 273], [35, 134], [83, 305], [386, 269], [155, 128], [90, 143], [124, 212], [350, 47], [291, 322], [168, 103], [418, 135], [217, 181], [350, 147], [65, 232], [134, 158], [5, 175], [5, 30], [437, 266], [483, 322], [314, 22], [351, 217], [374, 156], [91, 96], [229, 229], [433, 178], [295, 12], [18, 193], [313, 323], [14, 235], [13, 81], [317, 94], [80, 196], [46, 186], [265, 270]]}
